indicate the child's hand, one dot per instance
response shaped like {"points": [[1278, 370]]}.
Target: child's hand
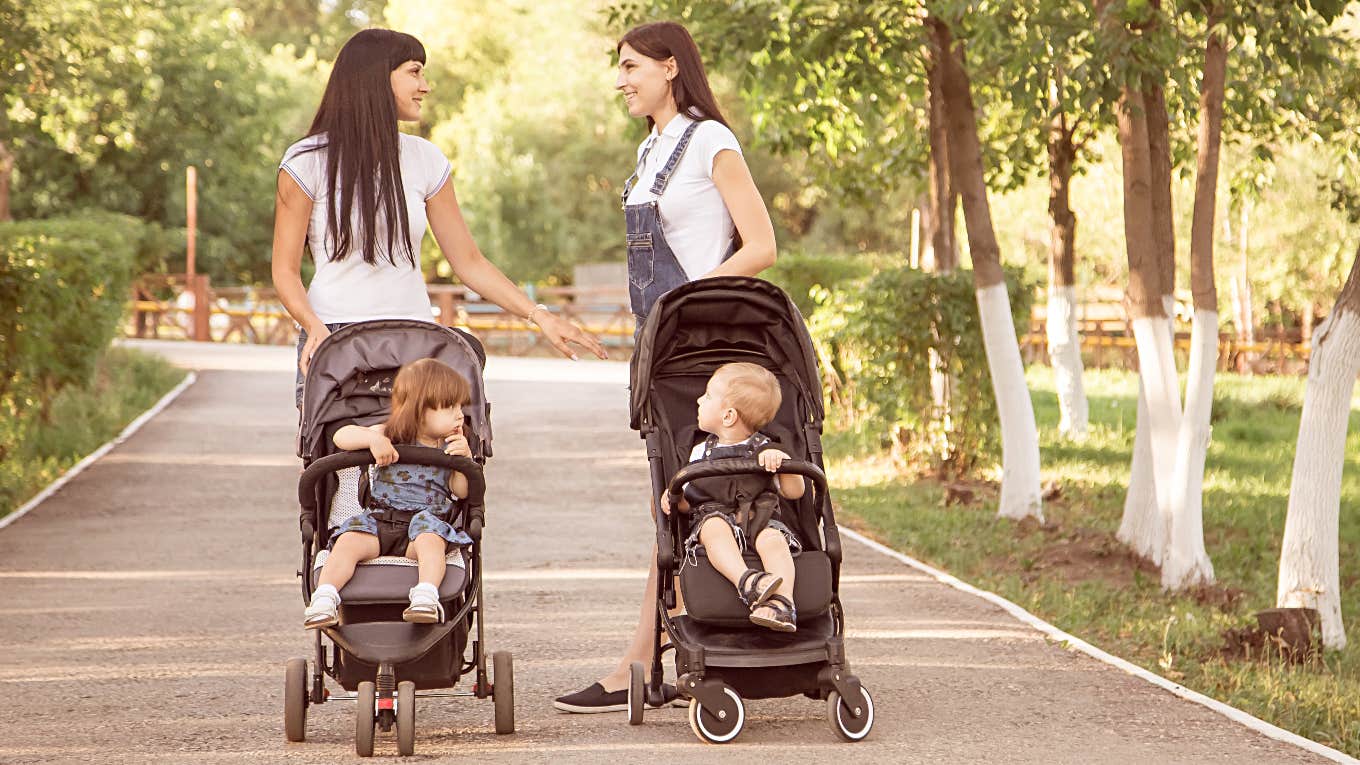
{"points": [[666, 502], [384, 453], [457, 444], [771, 459]]}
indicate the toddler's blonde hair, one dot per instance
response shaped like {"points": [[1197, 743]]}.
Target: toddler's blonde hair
{"points": [[752, 390]]}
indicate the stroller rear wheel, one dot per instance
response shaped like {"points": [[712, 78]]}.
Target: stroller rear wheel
{"points": [[295, 700], [406, 718], [843, 720], [503, 690], [717, 727], [364, 718]]}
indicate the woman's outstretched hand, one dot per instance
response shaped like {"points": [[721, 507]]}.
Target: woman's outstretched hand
{"points": [[563, 334]]}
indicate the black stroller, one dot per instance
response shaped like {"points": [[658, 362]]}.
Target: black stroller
{"points": [[379, 659], [720, 657]]}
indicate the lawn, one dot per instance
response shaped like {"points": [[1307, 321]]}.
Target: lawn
{"points": [[125, 384], [1072, 572]]}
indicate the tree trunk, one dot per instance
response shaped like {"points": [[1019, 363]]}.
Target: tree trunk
{"points": [[1309, 576], [1152, 332], [1020, 490], [1064, 342], [1187, 562], [6, 175], [941, 255]]}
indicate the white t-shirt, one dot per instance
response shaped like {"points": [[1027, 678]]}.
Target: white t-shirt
{"points": [[350, 289], [694, 218]]}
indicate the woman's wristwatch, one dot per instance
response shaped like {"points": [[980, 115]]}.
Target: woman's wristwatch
{"points": [[530, 318]]}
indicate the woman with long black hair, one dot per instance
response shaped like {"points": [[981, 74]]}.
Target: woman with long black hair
{"points": [[359, 194], [692, 211]]}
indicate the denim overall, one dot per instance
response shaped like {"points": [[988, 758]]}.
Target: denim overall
{"points": [[653, 269]]}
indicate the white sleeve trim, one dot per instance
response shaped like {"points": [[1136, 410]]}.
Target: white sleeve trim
{"points": [[443, 179], [298, 179]]}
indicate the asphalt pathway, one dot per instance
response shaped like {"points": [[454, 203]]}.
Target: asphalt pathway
{"points": [[147, 610]]}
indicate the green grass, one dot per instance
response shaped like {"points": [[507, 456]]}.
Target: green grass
{"points": [[1071, 571], [126, 383]]}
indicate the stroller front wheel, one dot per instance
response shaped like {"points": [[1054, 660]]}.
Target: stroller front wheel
{"points": [[365, 716], [637, 692], [843, 720], [717, 726], [406, 718], [295, 700], [503, 690]]}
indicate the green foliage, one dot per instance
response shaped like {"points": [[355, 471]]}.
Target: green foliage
{"points": [[801, 274], [63, 288], [879, 337], [124, 384]]}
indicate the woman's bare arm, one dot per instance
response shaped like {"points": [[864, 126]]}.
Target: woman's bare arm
{"points": [[752, 220]]}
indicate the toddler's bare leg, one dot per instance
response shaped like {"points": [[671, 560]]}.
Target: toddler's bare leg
{"points": [[349, 549], [429, 550], [722, 549], [774, 553]]}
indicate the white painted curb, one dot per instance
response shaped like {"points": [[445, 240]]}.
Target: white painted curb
{"points": [[1075, 643], [131, 428]]}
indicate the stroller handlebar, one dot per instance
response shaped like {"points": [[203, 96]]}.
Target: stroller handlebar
{"points": [[420, 455], [741, 466]]}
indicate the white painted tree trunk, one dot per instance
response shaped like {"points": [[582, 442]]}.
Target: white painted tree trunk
{"points": [[1157, 370], [1186, 562], [1064, 350], [1021, 495], [1141, 528], [1309, 575]]}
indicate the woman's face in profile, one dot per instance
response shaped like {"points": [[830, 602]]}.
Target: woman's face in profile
{"points": [[408, 89], [643, 81]]}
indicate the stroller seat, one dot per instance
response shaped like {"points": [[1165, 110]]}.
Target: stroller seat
{"points": [[387, 578], [757, 647]]}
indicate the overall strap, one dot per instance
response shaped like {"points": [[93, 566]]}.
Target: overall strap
{"points": [[664, 177], [632, 179], [709, 443]]}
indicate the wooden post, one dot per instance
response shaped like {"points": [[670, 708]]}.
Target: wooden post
{"points": [[191, 217], [198, 284]]}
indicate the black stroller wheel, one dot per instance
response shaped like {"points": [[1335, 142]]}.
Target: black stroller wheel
{"points": [[406, 718], [295, 700], [637, 693], [844, 722], [364, 718], [717, 727], [503, 690]]}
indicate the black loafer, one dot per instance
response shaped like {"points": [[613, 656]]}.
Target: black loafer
{"points": [[594, 700]]}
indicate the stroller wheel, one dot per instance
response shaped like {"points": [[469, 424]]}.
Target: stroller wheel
{"points": [[637, 693], [364, 718], [295, 700], [503, 690], [717, 727], [844, 722], [406, 718]]}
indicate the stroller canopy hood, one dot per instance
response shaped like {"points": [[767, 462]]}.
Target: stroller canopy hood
{"points": [[353, 353], [724, 312]]}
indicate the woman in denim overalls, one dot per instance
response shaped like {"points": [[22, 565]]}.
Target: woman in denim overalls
{"points": [[703, 217]]}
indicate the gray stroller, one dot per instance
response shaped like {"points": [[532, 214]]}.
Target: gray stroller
{"points": [[383, 662]]}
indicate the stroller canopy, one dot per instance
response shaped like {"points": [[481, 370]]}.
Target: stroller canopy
{"points": [[728, 316], [350, 376]]}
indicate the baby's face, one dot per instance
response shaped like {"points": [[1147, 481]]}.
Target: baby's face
{"points": [[443, 422], [712, 404]]}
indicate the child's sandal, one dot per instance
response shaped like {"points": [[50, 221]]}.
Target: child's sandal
{"points": [[322, 612], [785, 617], [424, 609], [756, 586]]}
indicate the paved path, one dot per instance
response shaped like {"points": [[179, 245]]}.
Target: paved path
{"points": [[146, 610]]}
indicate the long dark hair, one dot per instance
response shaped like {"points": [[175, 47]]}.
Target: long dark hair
{"points": [[358, 115], [662, 40]]}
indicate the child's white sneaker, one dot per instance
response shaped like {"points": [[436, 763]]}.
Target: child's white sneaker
{"points": [[425, 607], [322, 612]]}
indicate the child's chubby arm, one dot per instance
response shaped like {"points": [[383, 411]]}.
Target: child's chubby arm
{"points": [[790, 486], [456, 443], [352, 438]]}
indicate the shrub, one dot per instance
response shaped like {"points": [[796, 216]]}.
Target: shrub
{"points": [[877, 336], [799, 273]]}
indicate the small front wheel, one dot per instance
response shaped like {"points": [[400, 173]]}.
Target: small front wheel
{"points": [[295, 700], [365, 702], [637, 692], [717, 726], [503, 690], [406, 718], [843, 719]]}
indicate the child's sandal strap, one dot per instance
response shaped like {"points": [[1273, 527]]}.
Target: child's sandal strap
{"points": [[785, 617], [754, 586]]}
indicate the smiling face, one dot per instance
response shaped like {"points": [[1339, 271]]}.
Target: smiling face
{"points": [[408, 89], [645, 82]]}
